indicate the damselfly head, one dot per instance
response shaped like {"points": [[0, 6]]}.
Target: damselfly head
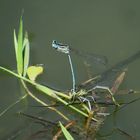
{"points": [[60, 47]]}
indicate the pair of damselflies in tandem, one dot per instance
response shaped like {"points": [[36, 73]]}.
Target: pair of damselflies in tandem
{"points": [[108, 77], [88, 56]]}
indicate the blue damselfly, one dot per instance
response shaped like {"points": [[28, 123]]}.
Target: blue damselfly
{"points": [[65, 49]]}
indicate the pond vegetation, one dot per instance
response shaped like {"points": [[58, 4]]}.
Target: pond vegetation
{"points": [[87, 103]]}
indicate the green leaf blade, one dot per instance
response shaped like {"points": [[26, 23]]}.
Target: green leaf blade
{"points": [[20, 49], [15, 43], [26, 47], [65, 132]]}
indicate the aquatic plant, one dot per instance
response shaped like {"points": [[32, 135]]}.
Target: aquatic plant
{"points": [[83, 101]]}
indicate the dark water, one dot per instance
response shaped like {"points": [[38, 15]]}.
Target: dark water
{"points": [[109, 28]]}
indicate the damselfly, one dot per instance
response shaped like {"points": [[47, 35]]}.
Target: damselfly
{"points": [[65, 49]]}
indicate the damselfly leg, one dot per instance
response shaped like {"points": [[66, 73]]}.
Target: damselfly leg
{"points": [[85, 99], [109, 91]]}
